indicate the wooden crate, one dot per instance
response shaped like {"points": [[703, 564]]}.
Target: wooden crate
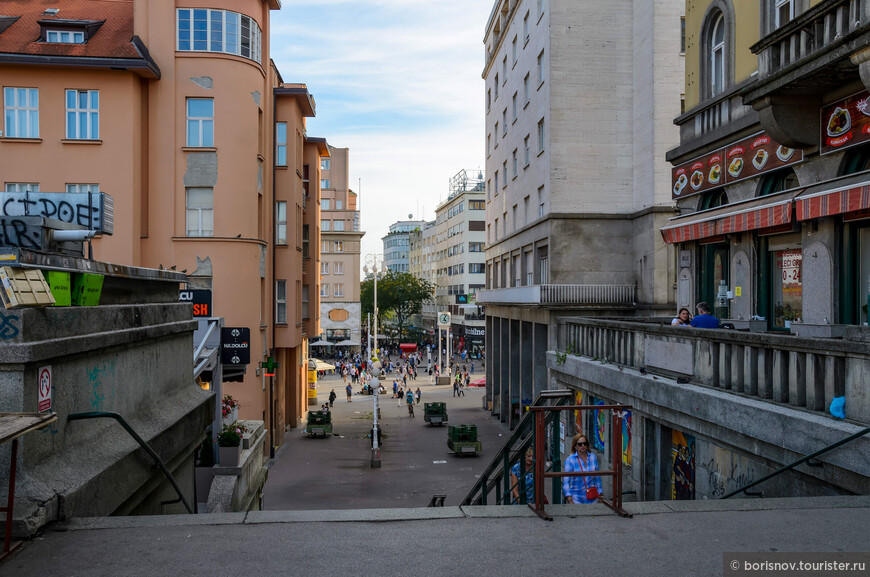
{"points": [[24, 288]]}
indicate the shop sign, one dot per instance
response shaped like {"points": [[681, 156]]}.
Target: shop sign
{"points": [[789, 263], [235, 346], [845, 123], [743, 159]]}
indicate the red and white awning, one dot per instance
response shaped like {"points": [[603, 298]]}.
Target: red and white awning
{"points": [[758, 213], [851, 198]]}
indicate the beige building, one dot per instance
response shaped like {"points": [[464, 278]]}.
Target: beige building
{"points": [[340, 309], [176, 111], [580, 98]]}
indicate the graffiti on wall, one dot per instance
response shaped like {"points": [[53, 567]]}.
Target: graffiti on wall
{"points": [[599, 426], [101, 378], [8, 326], [683, 467], [83, 209], [727, 471], [578, 415], [17, 232], [626, 438]]}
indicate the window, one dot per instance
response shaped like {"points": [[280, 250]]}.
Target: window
{"points": [[338, 246], [324, 268], [338, 225], [475, 247], [488, 98], [339, 204], [488, 144], [515, 163], [281, 302], [526, 214], [717, 56], [525, 28], [504, 69], [339, 290], [504, 122], [76, 188], [777, 181], [504, 171], [200, 212], [200, 122], [526, 90], [338, 268], [325, 203], [541, 135], [514, 51], [202, 30], [324, 290], [21, 112], [541, 68], [281, 144], [305, 301], [306, 239], [83, 114], [540, 202], [324, 164], [527, 154], [476, 205], [496, 134], [496, 183], [325, 245], [22, 187], [281, 222], [324, 225], [495, 85], [682, 34], [784, 12], [324, 183], [514, 106], [64, 37], [540, 8]]}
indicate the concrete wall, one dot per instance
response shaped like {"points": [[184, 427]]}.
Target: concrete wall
{"points": [[135, 360]]}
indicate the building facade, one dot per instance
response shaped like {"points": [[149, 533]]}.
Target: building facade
{"points": [[579, 102], [397, 245], [340, 308], [201, 145]]}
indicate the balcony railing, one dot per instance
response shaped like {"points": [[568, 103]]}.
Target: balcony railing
{"points": [[801, 372], [561, 294], [808, 35]]}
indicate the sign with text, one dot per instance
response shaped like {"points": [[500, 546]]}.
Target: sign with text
{"points": [[747, 158], [201, 300], [845, 123], [44, 382], [91, 210], [236, 346]]}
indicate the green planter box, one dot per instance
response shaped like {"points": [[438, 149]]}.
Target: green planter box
{"points": [[86, 289], [59, 283]]}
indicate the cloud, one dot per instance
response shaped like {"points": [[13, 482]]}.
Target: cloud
{"points": [[396, 81]]}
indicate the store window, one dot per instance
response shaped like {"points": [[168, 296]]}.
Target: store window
{"points": [[781, 296]]}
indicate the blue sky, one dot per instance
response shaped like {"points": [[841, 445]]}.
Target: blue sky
{"points": [[398, 82]]}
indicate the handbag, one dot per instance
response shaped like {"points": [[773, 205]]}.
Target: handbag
{"points": [[591, 492]]}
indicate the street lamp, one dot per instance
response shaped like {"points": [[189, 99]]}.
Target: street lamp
{"points": [[375, 264]]}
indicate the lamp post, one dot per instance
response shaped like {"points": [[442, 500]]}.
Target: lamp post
{"points": [[375, 264]]}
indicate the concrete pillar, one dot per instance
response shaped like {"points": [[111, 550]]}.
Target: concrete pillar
{"points": [[490, 349], [504, 369], [797, 379], [750, 370], [527, 361], [516, 353], [816, 366], [779, 382], [737, 363], [724, 372], [540, 359]]}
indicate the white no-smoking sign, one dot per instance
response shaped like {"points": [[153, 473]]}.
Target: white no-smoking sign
{"points": [[44, 381]]}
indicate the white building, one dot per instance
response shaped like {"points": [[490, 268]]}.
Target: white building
{"points": [[397, 245], [580, 98]]}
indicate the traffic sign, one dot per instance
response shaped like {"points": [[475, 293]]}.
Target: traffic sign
{"points": [[235, 346], [443, 320], [44, 381]]}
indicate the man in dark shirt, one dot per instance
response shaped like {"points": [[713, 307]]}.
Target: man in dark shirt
{"points": [[704, 320]]}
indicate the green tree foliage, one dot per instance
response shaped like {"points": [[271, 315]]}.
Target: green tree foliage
{"points": [[400, 296]]}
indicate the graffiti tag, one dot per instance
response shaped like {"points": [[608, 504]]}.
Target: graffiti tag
{"points": [[15, 232], [8, 330], [83, 209]]}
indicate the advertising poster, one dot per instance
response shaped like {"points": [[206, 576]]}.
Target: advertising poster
{"points": [[683, 467], [845, 123]]}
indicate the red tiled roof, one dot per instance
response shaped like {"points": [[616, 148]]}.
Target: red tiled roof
{"points": [[111, 40]]}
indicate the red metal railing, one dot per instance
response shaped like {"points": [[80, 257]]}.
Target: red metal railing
{"points": [[616, 414]]}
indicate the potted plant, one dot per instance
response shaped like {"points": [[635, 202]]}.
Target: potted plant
{"points": [[229, 410], [229, 445]]}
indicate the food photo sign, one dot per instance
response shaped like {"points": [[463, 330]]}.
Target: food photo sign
{"points": [[845, 123], [743, 159]]}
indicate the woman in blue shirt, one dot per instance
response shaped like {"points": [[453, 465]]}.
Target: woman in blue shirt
{"points": [[574, 488], [530, 479]]}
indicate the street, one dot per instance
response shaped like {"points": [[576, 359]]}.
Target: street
{"points": [[335, 473]]}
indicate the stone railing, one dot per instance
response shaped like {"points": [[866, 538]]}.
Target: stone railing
{"points": [[801, 372], [809, 34]]}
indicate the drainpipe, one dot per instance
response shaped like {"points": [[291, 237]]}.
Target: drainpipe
{"points": [[274, 281]]}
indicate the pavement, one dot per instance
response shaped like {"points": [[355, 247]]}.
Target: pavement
{"points": [[335, 472], [328, 513]]}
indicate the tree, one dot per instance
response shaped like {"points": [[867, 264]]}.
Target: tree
{"points": [[400, 295]]}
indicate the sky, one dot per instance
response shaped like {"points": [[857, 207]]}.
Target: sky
{"points": [[398, 82]]}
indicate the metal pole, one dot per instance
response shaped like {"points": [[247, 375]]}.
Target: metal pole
{"points": [[440, 364], [376, 450]]}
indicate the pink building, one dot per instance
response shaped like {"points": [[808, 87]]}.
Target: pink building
{"points": [[177, 112]]}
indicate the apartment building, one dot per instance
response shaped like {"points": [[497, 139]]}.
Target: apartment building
{"points": [[340, 238], [178, 114], [397, 244], [580, 98]]}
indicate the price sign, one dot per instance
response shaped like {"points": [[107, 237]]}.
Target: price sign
{"points": [[790, 266]]}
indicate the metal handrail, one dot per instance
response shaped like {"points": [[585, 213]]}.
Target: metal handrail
{"points": [[790, 466], [488, 480], [142, 443]]}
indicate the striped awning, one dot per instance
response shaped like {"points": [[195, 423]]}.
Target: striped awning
{"points": [[839, 200], [758, 213]]}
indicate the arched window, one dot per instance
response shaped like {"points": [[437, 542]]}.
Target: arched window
{"points": [[777, 182], [713, 198], [855, 160], [717, 56]]}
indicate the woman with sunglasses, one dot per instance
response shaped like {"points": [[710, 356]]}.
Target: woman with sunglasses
{"points": [[581, 489]]}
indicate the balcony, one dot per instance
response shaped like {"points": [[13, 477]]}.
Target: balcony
{"points": [[561, 295], [804, 373], [819, 51]]}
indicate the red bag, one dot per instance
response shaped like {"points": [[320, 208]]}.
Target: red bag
{"points": [[591, 493]]}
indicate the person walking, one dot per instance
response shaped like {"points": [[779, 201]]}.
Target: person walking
{"points": [[419, 394], [455, 388], [581, 489], [349, 390], [400, 397], [332, 396]]}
